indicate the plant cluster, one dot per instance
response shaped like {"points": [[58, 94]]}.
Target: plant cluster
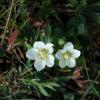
{"points": [[48, 70]]}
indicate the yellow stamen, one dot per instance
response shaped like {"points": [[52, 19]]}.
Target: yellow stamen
{"points": [[67, 55], [43, 53]]}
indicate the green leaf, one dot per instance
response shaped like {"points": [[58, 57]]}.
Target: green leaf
{"points": [[28, 46], [48, 29], [68, 96], [46, 3], [41, 86], [81, 28], [53, 84], [50, 87], [94, 7], [42, 90], [73, 2], [48, 32], [72, 24], [83, 2]]}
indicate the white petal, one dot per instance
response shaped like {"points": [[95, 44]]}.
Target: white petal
{"points": [[50, 61], [58, 55], [75, 53], [39, 44], [49, 44], [49, 47], [71, 62], [62, 63], [31, 54], [68, 46], [39, 64]]}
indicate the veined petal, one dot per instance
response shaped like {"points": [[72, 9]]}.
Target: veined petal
{"points": [[39, 64], [50, 61], [75, 53], [39, 44], [31, 54], [58, 55], [49, 47], [68, 46], [71, 62], [62, 63]]}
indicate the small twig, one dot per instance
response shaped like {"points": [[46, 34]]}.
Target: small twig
{"points": [[16, 91], [22, 74], [5, 37], [22, 56], [23, 63], [91, 84], [25, 23], [4, 13], [88, 89], [4, 33]]}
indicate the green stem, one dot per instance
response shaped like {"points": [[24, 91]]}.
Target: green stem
{"points": [[93, 88]]}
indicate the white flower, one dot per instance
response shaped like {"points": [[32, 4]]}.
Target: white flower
{"points": [[42, 54], [67, 55]]}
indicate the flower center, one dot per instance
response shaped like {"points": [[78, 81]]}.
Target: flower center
{"points": [[67, 55], [43, 53]]}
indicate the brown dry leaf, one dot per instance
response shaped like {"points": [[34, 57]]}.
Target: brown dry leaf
{"points": [[77, 74], [80, 83], [1, 79], [1, 61], [78, 78], [39, 24], [12, 40]]}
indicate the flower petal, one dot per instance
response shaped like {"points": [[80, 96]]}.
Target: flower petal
{"points": [[39, 44], [71, 62], [49, 46], [39, 64], [62, 63], [68, 46], [50, 61], [58, 55], [31, 54], [75, 53]]}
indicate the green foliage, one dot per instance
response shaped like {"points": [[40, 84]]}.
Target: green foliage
{"points": [[42, 87], [56, 21]]}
